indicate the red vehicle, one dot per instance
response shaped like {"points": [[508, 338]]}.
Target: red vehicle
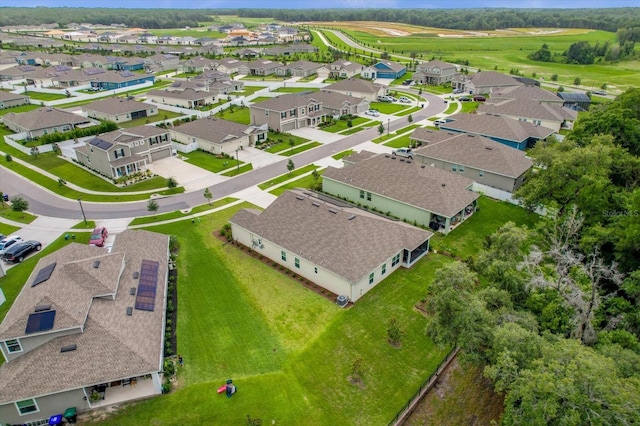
{"points": [[479, 98], [98, 237]]}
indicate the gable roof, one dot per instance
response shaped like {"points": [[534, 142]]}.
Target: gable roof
{"points": [[8, 96], [115, 105], [187, 93], [393, 66], [354, 85], [112, 345], [343, 64], [408, 182], [44, 118], [492, 78], [127, 135], [346, 241], [525, 92], [435, 63], [527, 109], [215, 130], [476, 152], [495, 126]]}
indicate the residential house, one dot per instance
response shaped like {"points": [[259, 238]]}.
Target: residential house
{"points": [[483, 82], [10, 100], [88, 322], [508, 131], [343, 249], [228, 65], [298, 69], [384, 69], [125, 152], [66, 78], [434, 73], [216, 136], [194, 65], [344, 69], [290, 49], [544, 114], [532, 93], [259, 67], [18, 72], [247, 53], [119, 79], [478, 158], [575, 100], [119, 110], [358, 88], [296, 110], [161, 62], [211, 76], [186, 98], [426, 196], [42, 121]]}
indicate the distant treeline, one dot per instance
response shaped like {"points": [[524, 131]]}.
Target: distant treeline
{"points": [[464, 19]]}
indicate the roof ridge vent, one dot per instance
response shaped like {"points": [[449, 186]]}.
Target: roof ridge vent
{"points": [[42, 308], [315, 204], [353, 216], [489, 148], [334, 211], [96, 264], [69, 348]]}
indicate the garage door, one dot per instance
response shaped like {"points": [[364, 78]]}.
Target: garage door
{"points": [[288, 126], [161, 154]]}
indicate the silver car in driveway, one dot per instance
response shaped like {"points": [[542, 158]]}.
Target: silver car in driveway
{"points": [[403, 152]]}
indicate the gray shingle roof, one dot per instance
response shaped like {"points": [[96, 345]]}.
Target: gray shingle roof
{"points": [[354, 85], [428, 188], [112, 345], [44, 118], [8, 96], [477, 152], [351, 248], [214, 129], [528, 109], [525, 92], [497, 126], [114, 106], [492, 78], [188, 94]]}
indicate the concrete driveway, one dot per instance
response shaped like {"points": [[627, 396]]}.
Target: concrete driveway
{"points": [[191, 177], [316, 135]]}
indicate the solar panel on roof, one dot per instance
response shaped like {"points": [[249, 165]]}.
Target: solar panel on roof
{"points": [[100, 143], [43, 274], [93, 71], [146, 295], [40, 321]]}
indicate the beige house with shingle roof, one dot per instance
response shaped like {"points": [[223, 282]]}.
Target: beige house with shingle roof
{"points": [[82, 324], [511, 132], [10, 100], [119, 110], [43, 121], [534, 93], [216, 135], [358, 88], [480, 159], [553, 116], [426, 196], [483, 82], [346, 250]]}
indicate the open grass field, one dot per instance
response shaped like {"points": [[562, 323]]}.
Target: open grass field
{"points": [[502, 49]]}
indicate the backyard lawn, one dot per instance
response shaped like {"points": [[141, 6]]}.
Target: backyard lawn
{"points": [[387, 108], [281, 141], [288, 350], [162, 115], [250, 90], [19, 109], [296, 89], [341, 125], [41, 96], [237, 114]]}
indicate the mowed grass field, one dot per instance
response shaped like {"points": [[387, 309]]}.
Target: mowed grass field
{"points": [[505, 49]]}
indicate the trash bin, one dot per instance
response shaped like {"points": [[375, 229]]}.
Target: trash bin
{"points": [[55, 420], [71, 415]]}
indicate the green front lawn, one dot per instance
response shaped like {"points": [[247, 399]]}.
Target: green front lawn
{"points": [[342, 154], [408, 111], [6, 229], [19, 109], [295, 89], [22, 217], [250, 90], [469, 107], [281, 141], [283, 178], [260, 99], [209, 161], [453, 106], [386, 107], [238, 171], [288, 350], [178, 214], [90, 224], [300, 149], [342, 125], [304, 182], [400, 142], [40, 96]]}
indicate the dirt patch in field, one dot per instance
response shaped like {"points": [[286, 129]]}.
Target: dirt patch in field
{"points": [[462, 396]]}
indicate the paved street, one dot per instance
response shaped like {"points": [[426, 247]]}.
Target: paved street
{"points": [[43, 202]]}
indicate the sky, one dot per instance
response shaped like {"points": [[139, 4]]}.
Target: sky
{"points": [[318, 4]]}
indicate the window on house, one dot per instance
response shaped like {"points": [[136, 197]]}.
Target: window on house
{"points": [[395, 260], [481, 174], [27, 406], [13, 346], [315, 269], [297, 262], [383, 270], [262, 136], [454, 168], [283, 114], [266, 113], [371, 276], [461, 169], [368, 196], [283, 256], [362, 194], [292, 113], [302, 111]]}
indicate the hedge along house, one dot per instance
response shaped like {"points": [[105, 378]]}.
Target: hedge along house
{"points": [[343, 249], [414, 192], [86, 330]]}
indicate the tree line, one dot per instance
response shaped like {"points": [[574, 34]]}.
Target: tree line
{"points": [[463, 19], [552, 314]]}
